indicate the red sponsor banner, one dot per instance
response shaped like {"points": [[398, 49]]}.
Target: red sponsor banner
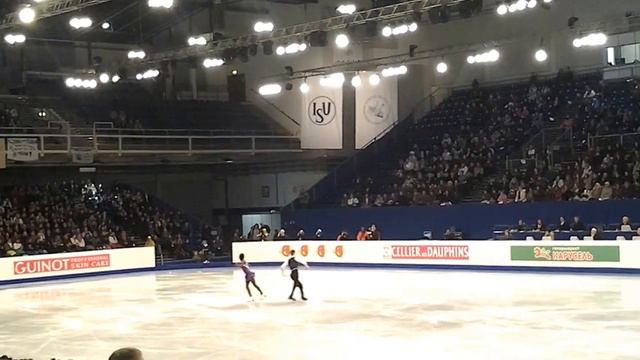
{"points": [[428, 252], [24, 267]]}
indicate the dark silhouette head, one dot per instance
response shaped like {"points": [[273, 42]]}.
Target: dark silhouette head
{"points": [[242, 257], [292, 252], [126, 354]]}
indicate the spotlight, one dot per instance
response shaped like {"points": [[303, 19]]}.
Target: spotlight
{"points": [[70, 82], [105, 25], [334, 80], [394, 71], [374, 79], [270, 89], [280, 50], [212, 62], [260, 26], [27, 15], [42, 114], [234, 72], [442, 67], [104, 78], [513, 7], [80, 22], [13, 39], [197, 41], [541, 55], [304, 88], [413, 27], [532, 4], [387, 31], [115, 78], [594, 39], [167, 4], [356, 81], [521, 4], [136, 54], [488, 56], [346, 9], [502, 9], [342, 41]]}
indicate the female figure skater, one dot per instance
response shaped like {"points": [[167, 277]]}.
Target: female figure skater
{"points": [[293, 264], [249, 276]]}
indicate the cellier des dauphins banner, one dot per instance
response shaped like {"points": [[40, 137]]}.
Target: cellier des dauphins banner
{"points": [[321, 125], [376, 108]]}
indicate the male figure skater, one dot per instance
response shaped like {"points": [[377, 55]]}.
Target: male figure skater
{"points": [[293, 264]]}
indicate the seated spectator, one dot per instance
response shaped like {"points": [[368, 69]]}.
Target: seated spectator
{"points": [[549, 235], [522, 226], [353, 201], [318, 235], [506, 235], [625, 225], [362, 234], [595, 234], [607, 191], [540, 226], [373, 233], [281, 235], [300, 234], [563, 225], [577, 225], [343, 236]]}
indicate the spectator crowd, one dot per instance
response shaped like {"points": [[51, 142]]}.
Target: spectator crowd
{"points": [[75, 216]]}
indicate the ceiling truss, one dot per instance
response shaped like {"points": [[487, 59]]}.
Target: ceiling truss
{"points": [[49, 9]]}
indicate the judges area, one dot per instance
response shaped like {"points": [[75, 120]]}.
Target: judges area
{"points": [[571, 256]]}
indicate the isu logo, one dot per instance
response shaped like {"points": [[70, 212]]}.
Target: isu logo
{"points": [[285, 250], [376, 109], [304, 250], [320, 250], [322, 111], [339, 251]]}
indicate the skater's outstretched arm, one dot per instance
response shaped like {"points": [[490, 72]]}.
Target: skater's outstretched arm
{"points": [[303, 263]]}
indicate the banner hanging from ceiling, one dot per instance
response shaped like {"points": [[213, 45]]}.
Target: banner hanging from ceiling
{"points": [[376, 108], [321, 116]]}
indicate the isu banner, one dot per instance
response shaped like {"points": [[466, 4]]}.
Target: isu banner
{"points": [[43, 266], [566, 253], [321, 117], [376, 109], [22, 149]]}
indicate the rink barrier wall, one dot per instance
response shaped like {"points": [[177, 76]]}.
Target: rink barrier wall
{"points": [[571, 256], [24, 269]]}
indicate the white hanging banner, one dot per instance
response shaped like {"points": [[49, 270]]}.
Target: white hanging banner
{"points": [[19, 149], [376, 108], [321, 116]]}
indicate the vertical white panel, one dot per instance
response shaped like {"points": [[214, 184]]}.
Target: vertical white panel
{"points": [[376, 108], [321, 117]]}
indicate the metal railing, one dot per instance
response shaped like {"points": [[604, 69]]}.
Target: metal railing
{"points": [[57, 141], [626, 139]]}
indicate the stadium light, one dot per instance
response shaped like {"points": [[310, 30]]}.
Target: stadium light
{"points": [[532, 4], [485, 57], [292, 48], [27, 15], [104, 78], [212, 62], [400, 29], [263, 26], [270, 89], [394, 71], [594, 39], [80, 22], [334, 80], [136, 54], [304, 88], [167, 4], [356, 81], [81, 83], [502, 9], [342, 41], [106, 25], [149, 74], [442, 67], [115, 78], [13, 39], [374, 79], [541, 55], [346, 9], [197, 41]]}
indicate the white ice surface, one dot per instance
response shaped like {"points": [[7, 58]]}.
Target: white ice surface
{"points": [[352, 314]]}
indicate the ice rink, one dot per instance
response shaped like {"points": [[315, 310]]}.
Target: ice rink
{"points": [[352, 314]]}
